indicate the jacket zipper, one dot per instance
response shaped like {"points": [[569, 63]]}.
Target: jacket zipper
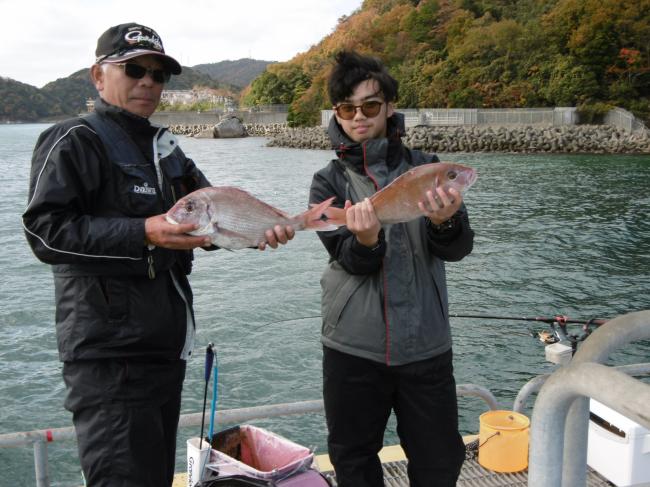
{"points": [[151, 270]]}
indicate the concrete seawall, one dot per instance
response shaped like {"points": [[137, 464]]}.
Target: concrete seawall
{"points": [[565, 139], [597, 139]]}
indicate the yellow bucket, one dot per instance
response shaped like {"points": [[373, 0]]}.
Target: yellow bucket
{"points": [[503, 441]]}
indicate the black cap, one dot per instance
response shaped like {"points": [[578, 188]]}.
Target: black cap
{"points": [[126, 41]]}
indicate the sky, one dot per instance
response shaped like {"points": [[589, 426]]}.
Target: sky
{"points": [[43, 40]]}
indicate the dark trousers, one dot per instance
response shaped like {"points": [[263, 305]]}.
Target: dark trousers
{"points": [[359, 396], [125, 415]]}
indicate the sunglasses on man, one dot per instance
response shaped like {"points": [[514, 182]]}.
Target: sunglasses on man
{"points": [[136, 71], [347, 111]]}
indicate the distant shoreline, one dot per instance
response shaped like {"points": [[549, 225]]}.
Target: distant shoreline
{"points": [[578, 139]]}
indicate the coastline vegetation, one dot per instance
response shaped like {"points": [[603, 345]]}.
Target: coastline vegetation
{"points": [[592, 54]]}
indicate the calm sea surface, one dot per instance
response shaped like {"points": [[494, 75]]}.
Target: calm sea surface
{"points": [[554, 235]]}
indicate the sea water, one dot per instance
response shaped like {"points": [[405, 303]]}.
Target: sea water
{"points": [[555, 234]]}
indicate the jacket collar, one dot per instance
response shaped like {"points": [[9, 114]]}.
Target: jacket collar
{"points": [[132, 123]]}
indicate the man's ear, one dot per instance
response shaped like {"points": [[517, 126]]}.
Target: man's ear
{"points": [[97, 76], [390, 109]]}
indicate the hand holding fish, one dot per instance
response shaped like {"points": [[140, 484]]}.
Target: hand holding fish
{"points": [[159, 232], [362, 222], [442, 205], [277, 235]]}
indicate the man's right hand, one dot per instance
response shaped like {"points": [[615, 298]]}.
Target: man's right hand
{"points": [[159, 232], [362, 222]]}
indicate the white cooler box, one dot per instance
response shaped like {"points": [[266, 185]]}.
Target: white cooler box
{"points": [[619, 448]]}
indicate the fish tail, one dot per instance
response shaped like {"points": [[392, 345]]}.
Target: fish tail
{"points": [[318, 217]]}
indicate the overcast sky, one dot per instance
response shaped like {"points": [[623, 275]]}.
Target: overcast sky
{"points": [[43, 40]]}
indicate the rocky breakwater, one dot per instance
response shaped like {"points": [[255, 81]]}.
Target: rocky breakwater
{"points": [[251, 129], [599, 139], [190, 130], [265, 130], [227, 128]]}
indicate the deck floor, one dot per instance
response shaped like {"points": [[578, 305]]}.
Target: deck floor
{"points": [[472, 475]]}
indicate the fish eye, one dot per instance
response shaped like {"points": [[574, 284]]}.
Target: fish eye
{"points": [[189, 206], [452, 175]]}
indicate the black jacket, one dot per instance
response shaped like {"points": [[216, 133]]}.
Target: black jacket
{"points": [[387, 304], [115, 297]]}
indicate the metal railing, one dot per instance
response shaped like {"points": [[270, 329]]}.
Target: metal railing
{"points": [[560, 418], [39, 439], [536, 383], [560, 422], [556, 116], [624, 120]]}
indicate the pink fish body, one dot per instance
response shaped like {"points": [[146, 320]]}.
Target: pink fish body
{"points": [[235, 219], [398, 202]]}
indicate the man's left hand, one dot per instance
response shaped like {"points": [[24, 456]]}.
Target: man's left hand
{"points": [[276, 236]]}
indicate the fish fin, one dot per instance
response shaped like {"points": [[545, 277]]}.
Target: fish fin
{"points": [[313, 218], [335, 216]]}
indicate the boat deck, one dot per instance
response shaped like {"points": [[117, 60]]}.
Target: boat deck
{"points": [[472, 474]]}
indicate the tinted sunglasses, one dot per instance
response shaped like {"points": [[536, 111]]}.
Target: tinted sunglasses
{"points": [[136, 71], [347, 111]]}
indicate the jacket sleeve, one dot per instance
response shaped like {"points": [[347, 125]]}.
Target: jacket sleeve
{"points": [[341, 244], [65, 182], [454, 244]]}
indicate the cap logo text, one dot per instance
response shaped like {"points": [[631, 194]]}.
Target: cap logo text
{"points": [[137, 37]]}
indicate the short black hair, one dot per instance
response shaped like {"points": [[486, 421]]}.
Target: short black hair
{"points": [[352, 68]]}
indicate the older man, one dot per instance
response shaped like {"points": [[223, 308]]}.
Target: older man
{"points": [[100, 186]]}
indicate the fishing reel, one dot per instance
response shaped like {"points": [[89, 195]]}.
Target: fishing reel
{"points": [[557, 352], [559, 331]]}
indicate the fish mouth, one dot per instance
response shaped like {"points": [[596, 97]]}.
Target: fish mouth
{"points": [[170, 220]]}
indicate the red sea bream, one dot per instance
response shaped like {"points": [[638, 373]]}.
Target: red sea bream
{"points": [[235, 219], [398, 202]]}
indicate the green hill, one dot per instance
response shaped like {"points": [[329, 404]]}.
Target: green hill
{"points": [[445, 53], [482, 53], [65, 97], [237, 73]]}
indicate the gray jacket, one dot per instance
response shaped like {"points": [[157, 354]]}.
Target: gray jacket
{"points": [[387, 304]]}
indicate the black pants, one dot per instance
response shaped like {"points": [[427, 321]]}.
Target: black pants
{"points": [[125, 415], [359, 396]]}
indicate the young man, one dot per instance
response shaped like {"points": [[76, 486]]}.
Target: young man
{"points": [[100, 187], [385, 331]]}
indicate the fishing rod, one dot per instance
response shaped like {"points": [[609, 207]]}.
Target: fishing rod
{"points": [[558, 319], [209, 359]]}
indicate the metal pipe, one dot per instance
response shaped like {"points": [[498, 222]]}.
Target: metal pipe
{"points": [[613, 335], [548, 450], [607, 385], [40, 464], [40, 438], [533, 385], [477, 391], [536, 383], [241, 415]]}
